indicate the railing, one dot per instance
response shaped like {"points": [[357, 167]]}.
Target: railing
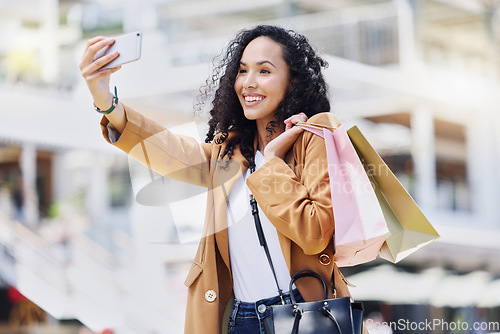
{"points": [[34, 267], [372, 42], [365, 34], [80, 281]]}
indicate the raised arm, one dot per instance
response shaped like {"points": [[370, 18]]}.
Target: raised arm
{"points": [[171, 155], [97, 79], [297, 199]]}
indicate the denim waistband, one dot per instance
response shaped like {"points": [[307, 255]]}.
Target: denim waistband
{"points": [[251, 310]]}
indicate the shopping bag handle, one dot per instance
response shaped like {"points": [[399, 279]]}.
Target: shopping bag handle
{"points": [[315, 126]]}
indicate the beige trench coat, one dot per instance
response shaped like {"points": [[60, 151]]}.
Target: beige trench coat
{"points": [[294, 194]]}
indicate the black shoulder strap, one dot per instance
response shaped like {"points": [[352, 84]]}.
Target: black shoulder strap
{"points": [[263, 243]]}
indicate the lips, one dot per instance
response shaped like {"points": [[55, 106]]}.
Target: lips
{"points": [[252, 99]]}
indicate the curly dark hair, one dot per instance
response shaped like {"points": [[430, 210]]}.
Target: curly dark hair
{"points": [[308, 92]]}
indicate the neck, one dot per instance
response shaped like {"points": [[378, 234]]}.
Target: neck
{"points": [[264, 136]]}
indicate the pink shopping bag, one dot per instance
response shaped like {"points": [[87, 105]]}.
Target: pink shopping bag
{"points": [[360, 227]]}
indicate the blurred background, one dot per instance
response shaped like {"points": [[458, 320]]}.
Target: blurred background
{"points": [[80, 254]]}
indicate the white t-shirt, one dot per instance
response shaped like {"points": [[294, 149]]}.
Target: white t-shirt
{"points": [[252, 276]]}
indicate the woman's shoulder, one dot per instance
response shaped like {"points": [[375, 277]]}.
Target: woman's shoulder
{"points": [[325, 119]]}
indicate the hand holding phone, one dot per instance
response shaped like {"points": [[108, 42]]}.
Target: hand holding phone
{"points": [[129, 47]]}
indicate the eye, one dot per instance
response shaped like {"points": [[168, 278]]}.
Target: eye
{"points": [[242, 70], [264, 71]]}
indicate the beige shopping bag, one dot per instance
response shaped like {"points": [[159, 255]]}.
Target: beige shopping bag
{"points": [[409, 229]]}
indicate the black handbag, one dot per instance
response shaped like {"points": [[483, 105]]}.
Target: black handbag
{"points": [[327, 316]]}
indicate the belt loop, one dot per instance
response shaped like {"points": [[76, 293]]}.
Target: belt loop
{"points": [[234, 313]]}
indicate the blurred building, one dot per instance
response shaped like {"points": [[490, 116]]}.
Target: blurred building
{"points": [[419, 77]]}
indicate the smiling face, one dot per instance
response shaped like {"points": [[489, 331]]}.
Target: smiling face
{"points": [[262, 80]]}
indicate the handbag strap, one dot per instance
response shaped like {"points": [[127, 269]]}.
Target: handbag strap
{"points": [[307, 273], [263, 243], [262, 240], [297, 313]]}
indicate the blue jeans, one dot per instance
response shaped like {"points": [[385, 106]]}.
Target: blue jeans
{"points": [[246, 319]]}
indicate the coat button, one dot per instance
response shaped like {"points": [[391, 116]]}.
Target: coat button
{"points": [[324, 259], [210, 296]]}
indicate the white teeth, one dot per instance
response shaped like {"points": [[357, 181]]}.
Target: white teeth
{"points": [[253, 98]]}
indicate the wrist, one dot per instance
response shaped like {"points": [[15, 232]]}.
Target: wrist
{"points": [[104, 103], [109, 105]]}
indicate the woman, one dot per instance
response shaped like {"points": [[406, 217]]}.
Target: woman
{"points": [[269, 80]]}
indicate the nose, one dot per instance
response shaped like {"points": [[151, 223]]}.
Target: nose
{"points": [[250, 81]]}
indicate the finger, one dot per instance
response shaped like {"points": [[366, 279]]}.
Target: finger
{"points": [[98, 64], [102, 73], [94, 40], [94, 48], [291, 126], [290, 135], [90, 52], [299, 118], [296, 130], [90, 43], [108, 71], [290, 122]]}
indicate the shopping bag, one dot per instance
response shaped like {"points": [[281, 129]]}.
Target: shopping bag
{"points": [[360, 227], [409, 229]]}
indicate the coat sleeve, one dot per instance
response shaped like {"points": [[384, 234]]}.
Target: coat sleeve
{"points": [[171, 155], [298, 201]]}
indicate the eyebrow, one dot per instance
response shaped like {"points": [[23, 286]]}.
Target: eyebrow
{"points": [[260, 63]]}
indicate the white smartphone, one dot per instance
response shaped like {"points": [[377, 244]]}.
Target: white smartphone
{"points": [[129, 47]]}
